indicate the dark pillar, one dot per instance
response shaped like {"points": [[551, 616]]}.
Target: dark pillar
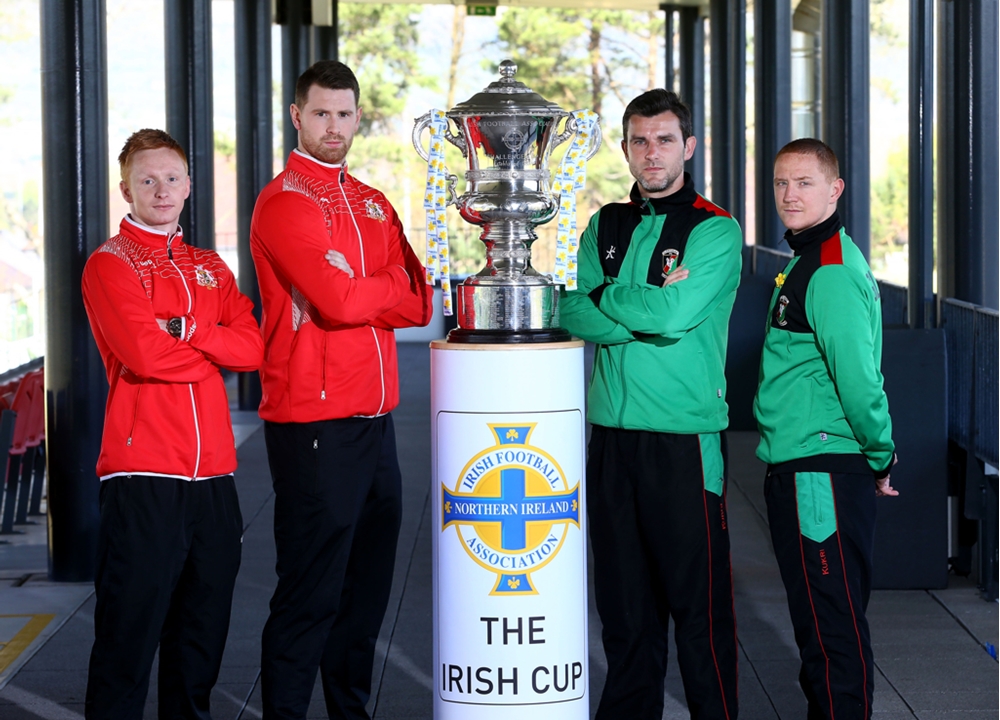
{"points": [[728, 67], [324, 41], [668, 55], [295, 17], [974, 163], [772, 108], [845, 109], [947, 211], [188, 45], [921, 201], [75, 169], [254, 149], [692, 36]]}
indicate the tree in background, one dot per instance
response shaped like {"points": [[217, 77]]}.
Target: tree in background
{"points": [[379, 42]]}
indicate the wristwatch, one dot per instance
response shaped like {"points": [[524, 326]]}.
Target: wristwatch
{"points": [[174, 327]]}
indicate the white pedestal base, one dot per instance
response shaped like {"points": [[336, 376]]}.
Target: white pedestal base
{"points": [[509, 533]]}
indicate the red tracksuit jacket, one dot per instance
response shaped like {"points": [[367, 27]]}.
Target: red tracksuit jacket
{"points": [[167, 411], [330, 350]]}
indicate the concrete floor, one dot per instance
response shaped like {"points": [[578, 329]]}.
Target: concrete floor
{"points": [[928, 645]]}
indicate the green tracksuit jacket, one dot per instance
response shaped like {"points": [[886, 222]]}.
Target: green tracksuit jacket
{"points": [[820, 385], [661, 351]]}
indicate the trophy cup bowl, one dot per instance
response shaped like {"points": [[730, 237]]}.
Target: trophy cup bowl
{"points": [[507, 133]]}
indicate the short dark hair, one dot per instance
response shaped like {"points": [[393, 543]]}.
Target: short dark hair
{"points": [[816, 148], [147, 139], [329, 74], [654, 102]]}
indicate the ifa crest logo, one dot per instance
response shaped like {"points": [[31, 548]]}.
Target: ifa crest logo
{"points": [[512, 508]]}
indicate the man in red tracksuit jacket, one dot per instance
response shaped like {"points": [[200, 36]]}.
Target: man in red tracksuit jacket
{"points": [[336, 276], [166, 317]]}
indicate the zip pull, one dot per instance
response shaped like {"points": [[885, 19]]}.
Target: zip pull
{"points": [[322, 395], [129, 442], [341, 174]]}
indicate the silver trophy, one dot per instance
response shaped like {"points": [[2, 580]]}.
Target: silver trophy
{"points": [[506, 133]]}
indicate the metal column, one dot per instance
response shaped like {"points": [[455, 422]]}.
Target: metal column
{"points": [[921, 199], [668, 55], [75, 170], [772, 108], [692, 71], [295, 17], [188, 46], [974, 160], [728, 67], [846, 33], [254, 150]]}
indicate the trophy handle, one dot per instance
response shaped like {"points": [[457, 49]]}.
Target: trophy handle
{"points": [[421, 123], [452, 194], [456, 140], [570, 129], [418, 127]]}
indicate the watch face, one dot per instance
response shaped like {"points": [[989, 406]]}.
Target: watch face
{"points": [[174, 327]]}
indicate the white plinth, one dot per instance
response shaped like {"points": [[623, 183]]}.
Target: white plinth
{"points": [[509, 533]]}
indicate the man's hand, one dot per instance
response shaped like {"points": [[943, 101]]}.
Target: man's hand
{"points": [[882, 487], [337, 260], [677, 275]]}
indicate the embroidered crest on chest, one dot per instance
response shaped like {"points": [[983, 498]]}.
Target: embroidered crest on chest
{"points": [[206, 278], [374, 210]]}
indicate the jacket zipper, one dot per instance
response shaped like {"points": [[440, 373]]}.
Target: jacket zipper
{"points": [[361, 247], [194, 406], [322, 392], [621, 414], [135, 416]]}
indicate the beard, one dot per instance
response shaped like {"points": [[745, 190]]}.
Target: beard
{"points": [[656, 186], [331, 156]]}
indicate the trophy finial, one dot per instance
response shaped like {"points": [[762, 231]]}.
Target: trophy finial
{"points": [[507, 69]]}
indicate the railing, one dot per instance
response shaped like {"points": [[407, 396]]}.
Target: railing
{"points": [[971, 334]]}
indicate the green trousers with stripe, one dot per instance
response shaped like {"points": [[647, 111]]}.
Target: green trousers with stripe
{"points": [[658, 529], [823, 528]]}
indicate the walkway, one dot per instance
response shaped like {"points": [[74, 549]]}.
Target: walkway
{"points": [[928, 644]]}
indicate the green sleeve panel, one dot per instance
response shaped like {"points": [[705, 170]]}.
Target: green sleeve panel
{"points": [[842, 309], [713, 258], [577, 312]]}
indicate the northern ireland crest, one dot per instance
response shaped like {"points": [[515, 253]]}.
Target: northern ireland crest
{"points": [[669, 261], [512, 508]]}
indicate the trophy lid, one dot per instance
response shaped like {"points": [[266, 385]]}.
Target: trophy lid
{"points": [[506, 96]]}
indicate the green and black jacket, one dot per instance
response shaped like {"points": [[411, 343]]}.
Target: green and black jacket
{"points": [[661, 351], [820, 390]]}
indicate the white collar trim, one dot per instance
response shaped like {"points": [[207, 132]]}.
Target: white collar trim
{"points": [[307, 156], [131, 220]]}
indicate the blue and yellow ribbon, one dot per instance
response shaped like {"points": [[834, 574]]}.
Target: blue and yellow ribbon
{"points": [[570, 179], [435, 202]]}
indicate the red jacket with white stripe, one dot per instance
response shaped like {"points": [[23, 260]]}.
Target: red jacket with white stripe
{"points": [[330, 351], [167, 411]]}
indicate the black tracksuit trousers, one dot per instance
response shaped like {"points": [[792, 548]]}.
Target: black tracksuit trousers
{"points": [[823, 529], [337, 512], [168, 555], [657, 512]]}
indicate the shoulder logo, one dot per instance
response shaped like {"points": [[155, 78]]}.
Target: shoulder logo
{"points": [[205, 277], [374, 210], [512, 507], [779, 316]]}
